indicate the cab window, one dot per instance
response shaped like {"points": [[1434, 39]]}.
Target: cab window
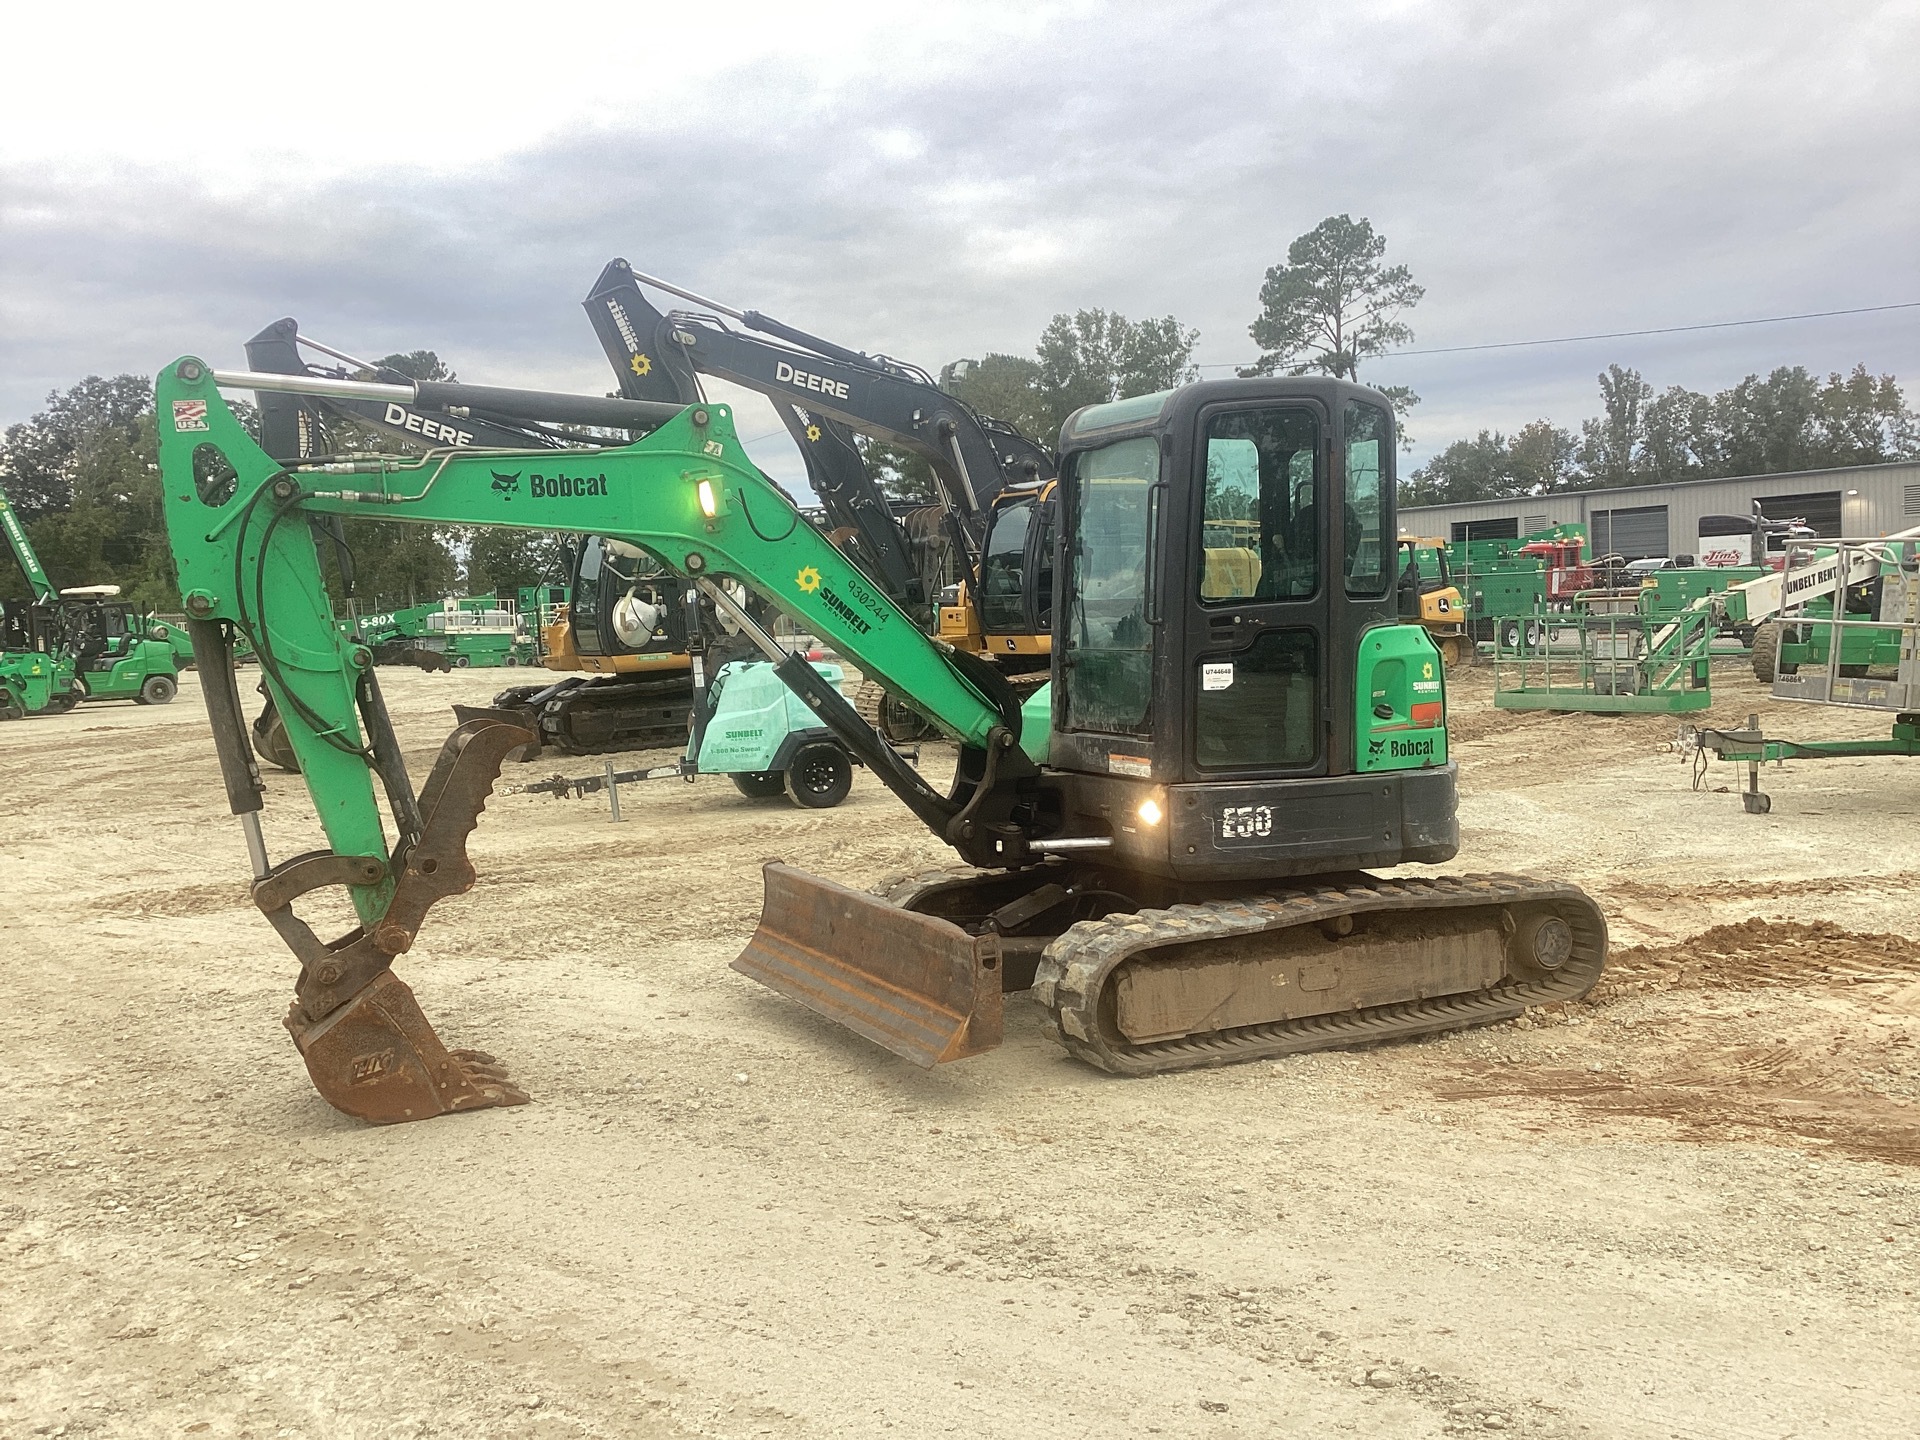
{"points": [[1003, 569], [1260, 523], [1107, 637], [1369, 499]]}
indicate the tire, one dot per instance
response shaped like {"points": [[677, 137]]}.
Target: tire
{"points": [[1514, 634], [820, 776], [759, 784], [158, 690], [11, 707], [461, 662], [1765, 651]]}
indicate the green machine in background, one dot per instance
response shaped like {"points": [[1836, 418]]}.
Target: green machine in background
{"points": [[1497, 582], [93, 646], [120, 652], [483, 631]]}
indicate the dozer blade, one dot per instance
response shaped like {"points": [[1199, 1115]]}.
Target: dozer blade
{"points": [[921, 986], [376, 1058]]}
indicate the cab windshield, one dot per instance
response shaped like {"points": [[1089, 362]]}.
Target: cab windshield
{"points": [[1108, 640]]}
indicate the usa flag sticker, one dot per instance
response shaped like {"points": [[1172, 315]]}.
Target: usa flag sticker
{"points": [[189, 415]]}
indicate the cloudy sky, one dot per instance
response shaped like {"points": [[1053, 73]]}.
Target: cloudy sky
{"points": [[937, 181]]}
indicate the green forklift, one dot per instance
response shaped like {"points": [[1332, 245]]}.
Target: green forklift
{"points": [[89, 644]]}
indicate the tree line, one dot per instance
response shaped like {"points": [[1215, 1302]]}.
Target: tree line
{"points": [[1790, 420], [83, 475]]}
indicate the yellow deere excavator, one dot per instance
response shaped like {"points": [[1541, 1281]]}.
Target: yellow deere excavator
{"points": [[1167, 847]]}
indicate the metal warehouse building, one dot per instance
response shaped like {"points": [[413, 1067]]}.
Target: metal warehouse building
{"points": [[1657, 520]]}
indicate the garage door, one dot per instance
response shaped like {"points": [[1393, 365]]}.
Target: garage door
{"points": [[1507, 529], [1639, 533], [1821, 510]]}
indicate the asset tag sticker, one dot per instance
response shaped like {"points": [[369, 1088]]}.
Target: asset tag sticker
{"points": [[1137, 765], [189, 415], [1217, 677]]}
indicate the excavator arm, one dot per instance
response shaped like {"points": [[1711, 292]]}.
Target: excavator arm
{"points": [[295, 425], [817, 386], [686, 493]]}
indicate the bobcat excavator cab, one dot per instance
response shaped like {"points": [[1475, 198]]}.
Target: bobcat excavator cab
{"points": [[1168, 844]]}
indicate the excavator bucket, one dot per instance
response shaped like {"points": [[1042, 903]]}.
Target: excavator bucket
{"points": [[377, 1059], [921, 986]]}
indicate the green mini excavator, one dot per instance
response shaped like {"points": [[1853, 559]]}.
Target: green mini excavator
{"points": [[1168, 846]]}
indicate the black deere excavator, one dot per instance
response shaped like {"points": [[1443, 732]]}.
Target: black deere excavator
{"points": [[623, 689], [991, 532], [1169, 846]]}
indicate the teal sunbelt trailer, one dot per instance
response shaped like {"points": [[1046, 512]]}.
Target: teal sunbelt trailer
{"points": [[1169, 850]]}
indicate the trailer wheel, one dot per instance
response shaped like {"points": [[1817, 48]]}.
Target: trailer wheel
{"points": [[820, 776], [759, 784], [1515, 633], [1765, 647], [461, 662], [158, 690]]}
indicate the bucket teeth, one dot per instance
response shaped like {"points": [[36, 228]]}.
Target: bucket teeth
{"points": [[920, 986]]}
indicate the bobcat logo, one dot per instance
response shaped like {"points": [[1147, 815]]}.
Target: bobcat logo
{"points": [[1374, 747], [506, 485]]}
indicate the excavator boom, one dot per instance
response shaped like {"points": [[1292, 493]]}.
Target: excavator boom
{"points": [[686, 493]]}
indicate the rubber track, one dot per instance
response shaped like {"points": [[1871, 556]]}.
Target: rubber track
{"points": [[867, 700], [1075, 970], [602, 706]]}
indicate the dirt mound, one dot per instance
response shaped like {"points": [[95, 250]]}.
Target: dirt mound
{"points": [[1736, 1093], [1755, 954]]}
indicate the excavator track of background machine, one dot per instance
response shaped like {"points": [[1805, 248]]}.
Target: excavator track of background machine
{"points": [[1356, 962]]}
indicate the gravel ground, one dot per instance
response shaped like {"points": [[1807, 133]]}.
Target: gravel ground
{"points": [[1687, 1208]]}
